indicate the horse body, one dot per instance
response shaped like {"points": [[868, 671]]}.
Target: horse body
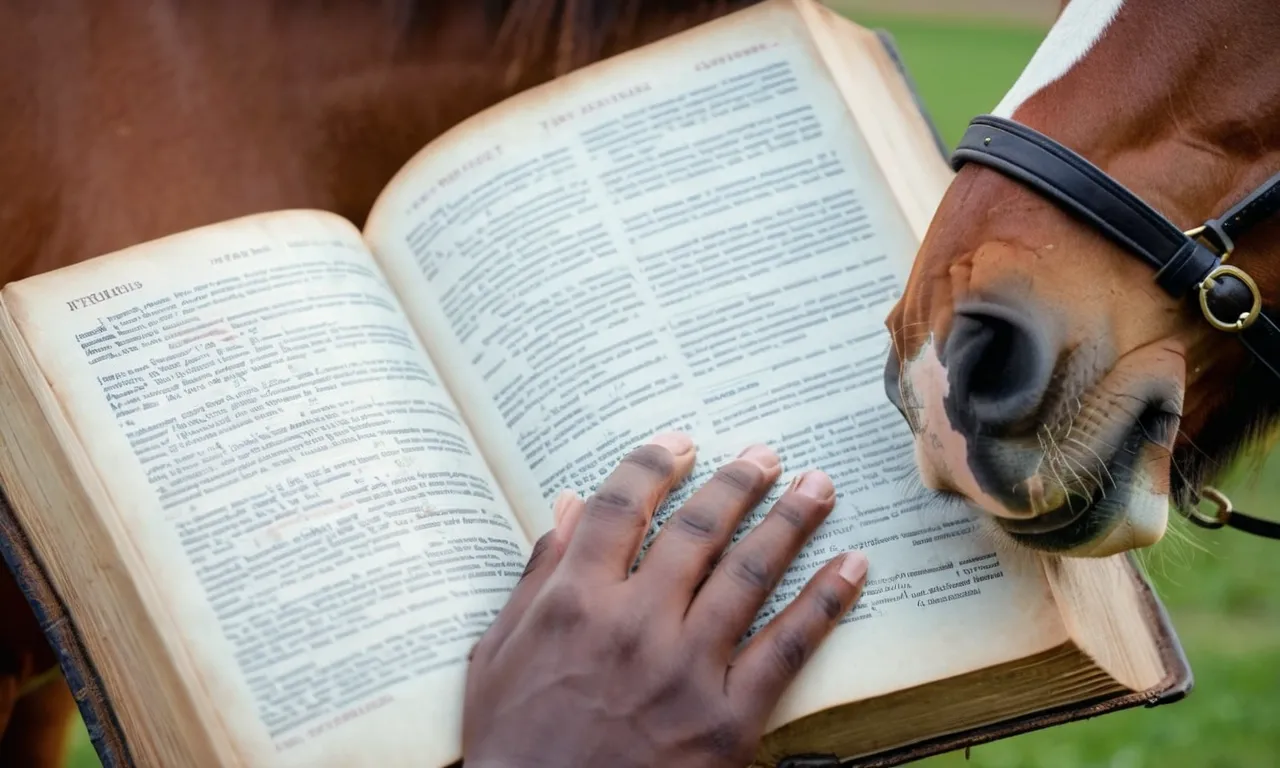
{"points": [[127, 121], [1046, 378]]}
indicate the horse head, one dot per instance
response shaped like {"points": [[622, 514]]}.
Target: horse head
{"points": [[1047, 380]]}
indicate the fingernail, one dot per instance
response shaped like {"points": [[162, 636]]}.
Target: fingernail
{"points": [[677, 442], [816, 485], [565, 498], [762, 456], [853, 567], [566, 512]]}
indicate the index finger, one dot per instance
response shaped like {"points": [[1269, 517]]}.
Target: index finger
{"points": [[611, 527]]}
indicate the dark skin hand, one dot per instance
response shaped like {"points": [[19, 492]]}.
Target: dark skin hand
{"points": [[589, 665]]}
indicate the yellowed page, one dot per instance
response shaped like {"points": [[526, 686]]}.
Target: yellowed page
{"points": [[54, 494], [899, 137], [290, 483], [1106, 618], [696, 235]]}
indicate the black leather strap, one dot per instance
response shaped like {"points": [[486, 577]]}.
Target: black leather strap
{"points": [[1083, 189], [1259, 205], [1263, 340], [1268, 529], [1080, 187], [810, 761], [1226, 516]]}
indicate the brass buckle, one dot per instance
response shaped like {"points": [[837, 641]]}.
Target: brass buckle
{"points": [[1196, 232], [1246, 318], [1220, 515]]}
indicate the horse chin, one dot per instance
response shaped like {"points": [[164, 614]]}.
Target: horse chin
{"points": [[1128, 515]]}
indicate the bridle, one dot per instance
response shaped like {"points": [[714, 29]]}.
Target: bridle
{"points": [[1186, 264]]}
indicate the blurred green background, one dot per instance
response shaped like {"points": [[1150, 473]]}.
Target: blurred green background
{"points": [[1222, 588]]}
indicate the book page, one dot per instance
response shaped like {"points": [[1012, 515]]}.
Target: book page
{"points": [[1106, 618], [317, 531], [696, 236]]}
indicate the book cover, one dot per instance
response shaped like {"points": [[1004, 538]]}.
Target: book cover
{"points": [[56, 623]]}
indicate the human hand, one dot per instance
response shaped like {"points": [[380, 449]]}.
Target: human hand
{"points": [[590, 665]]}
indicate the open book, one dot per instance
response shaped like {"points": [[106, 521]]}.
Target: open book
{"points": [[270, 479]]}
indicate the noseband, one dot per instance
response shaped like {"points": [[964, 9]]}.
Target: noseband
{"points": [[1186, 264]]}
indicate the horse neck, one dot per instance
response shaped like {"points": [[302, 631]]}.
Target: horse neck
{"points": [[121, 122], [1179, 101]]}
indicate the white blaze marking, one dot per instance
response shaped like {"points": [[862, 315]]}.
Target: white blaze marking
{"points": [[942, 453], [1072, 36]]}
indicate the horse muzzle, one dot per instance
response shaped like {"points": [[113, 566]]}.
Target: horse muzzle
{"points": [[1060, 457]]}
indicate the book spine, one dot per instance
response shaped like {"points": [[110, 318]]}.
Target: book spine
{"points": [[81, 676], [891, 47]]}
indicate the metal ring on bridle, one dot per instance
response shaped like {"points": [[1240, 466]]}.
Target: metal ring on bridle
{"points": [[1220, 516], [1246, 318]]}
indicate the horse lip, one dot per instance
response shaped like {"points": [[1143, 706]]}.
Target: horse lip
{"points": [[1051, 521], [1073, 505], [1076, 506], [1066, 514]]}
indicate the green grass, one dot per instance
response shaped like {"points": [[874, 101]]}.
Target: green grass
{"points": [[960, 68], [1222, 588]]}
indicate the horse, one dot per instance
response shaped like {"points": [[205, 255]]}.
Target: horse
{"points": [[1047, 380], [127, 121]]}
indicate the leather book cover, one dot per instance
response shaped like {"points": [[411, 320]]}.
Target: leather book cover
{"points": [[60, 630], [891, 48]]}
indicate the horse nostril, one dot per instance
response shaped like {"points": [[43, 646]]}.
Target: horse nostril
{"points": [[999, 363]]}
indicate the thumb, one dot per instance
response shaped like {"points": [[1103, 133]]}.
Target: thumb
{"points": [[568, 510], [543, 560]]}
